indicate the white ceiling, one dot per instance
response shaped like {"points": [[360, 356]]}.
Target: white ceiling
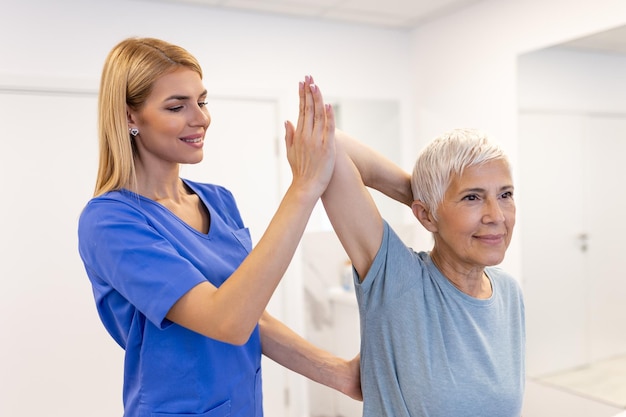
{"points": [[398, 14]]}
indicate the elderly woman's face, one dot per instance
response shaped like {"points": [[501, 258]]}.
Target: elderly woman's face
{"points": [[477, 215]]}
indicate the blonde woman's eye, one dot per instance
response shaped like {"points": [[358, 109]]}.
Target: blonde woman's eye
{"points": [[203, 103], [175, 109]]}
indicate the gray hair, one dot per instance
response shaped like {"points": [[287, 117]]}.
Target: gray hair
{"points": [[447, 156]]}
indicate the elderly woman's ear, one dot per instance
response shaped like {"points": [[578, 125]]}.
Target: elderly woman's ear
{"points": [[424, 215]]}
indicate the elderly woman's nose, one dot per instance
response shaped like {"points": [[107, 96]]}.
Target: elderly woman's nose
{"points": [[493, 211]]}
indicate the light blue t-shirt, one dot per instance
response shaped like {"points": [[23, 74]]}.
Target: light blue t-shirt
{"points": [[140, 259], [428, 349]]}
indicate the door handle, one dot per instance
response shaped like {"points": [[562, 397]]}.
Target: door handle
{"points": [[583, 239]]}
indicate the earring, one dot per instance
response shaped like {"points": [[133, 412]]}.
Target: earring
{"points": [[133, 131]]}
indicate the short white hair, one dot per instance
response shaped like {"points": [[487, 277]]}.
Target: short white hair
{"points": [[447, 156]]}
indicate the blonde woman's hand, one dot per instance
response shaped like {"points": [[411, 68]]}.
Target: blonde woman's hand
{"points": [[311, 144]]}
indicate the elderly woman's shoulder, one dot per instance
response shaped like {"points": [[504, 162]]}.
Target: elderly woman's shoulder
{"points": [[503, 279]]}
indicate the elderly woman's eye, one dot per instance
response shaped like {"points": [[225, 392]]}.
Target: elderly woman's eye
{"points": [[471, 197]]}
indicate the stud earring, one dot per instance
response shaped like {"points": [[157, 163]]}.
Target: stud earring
{"points": [[133, 131]]}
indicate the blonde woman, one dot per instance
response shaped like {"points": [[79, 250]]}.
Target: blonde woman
{"points": [[176, 281]]}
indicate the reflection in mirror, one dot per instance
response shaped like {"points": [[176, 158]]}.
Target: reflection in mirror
{"points": [[572, 135]]}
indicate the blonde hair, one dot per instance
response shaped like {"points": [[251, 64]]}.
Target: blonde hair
{"points": [[129, 73], [447, 156]]}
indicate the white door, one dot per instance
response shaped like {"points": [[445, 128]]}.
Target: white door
{"points": [[605, 208], [551, 221], [241, 153], [56, 357], [572, 202]]}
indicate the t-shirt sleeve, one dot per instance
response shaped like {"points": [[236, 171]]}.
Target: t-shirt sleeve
{"points": [[393, 270]]}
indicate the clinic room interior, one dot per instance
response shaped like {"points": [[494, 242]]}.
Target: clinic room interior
{"points": [[543, 77]]}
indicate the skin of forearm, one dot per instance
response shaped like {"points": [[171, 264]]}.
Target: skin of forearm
{"points": [[267, 263], [377, 171], [290, 350]]}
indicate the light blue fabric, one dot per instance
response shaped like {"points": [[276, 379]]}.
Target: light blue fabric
{"points": [[141, 259], [429, 350]]}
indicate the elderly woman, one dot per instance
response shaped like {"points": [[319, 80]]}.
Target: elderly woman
{"points": [[442, 331]]}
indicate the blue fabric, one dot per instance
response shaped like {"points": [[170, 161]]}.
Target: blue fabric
{"points": [[428, 349], [140, 259]]}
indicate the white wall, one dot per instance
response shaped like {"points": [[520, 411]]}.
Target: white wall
{"points": [[56, 358], [570, 80], [250, 53]]}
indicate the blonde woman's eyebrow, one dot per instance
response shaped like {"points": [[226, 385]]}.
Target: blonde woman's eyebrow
{"points": [[183, 97]]}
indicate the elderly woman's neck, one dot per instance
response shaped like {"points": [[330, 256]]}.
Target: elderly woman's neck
{"points": [[469, 279]]}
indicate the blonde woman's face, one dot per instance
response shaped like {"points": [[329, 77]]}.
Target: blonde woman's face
{"points": [[173, 121], [476, 217]]}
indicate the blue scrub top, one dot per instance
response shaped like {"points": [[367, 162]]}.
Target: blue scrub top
{"points": [[140, 259]]}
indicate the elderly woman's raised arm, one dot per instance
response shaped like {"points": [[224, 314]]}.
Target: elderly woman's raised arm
{"points": [[349, 205]]}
